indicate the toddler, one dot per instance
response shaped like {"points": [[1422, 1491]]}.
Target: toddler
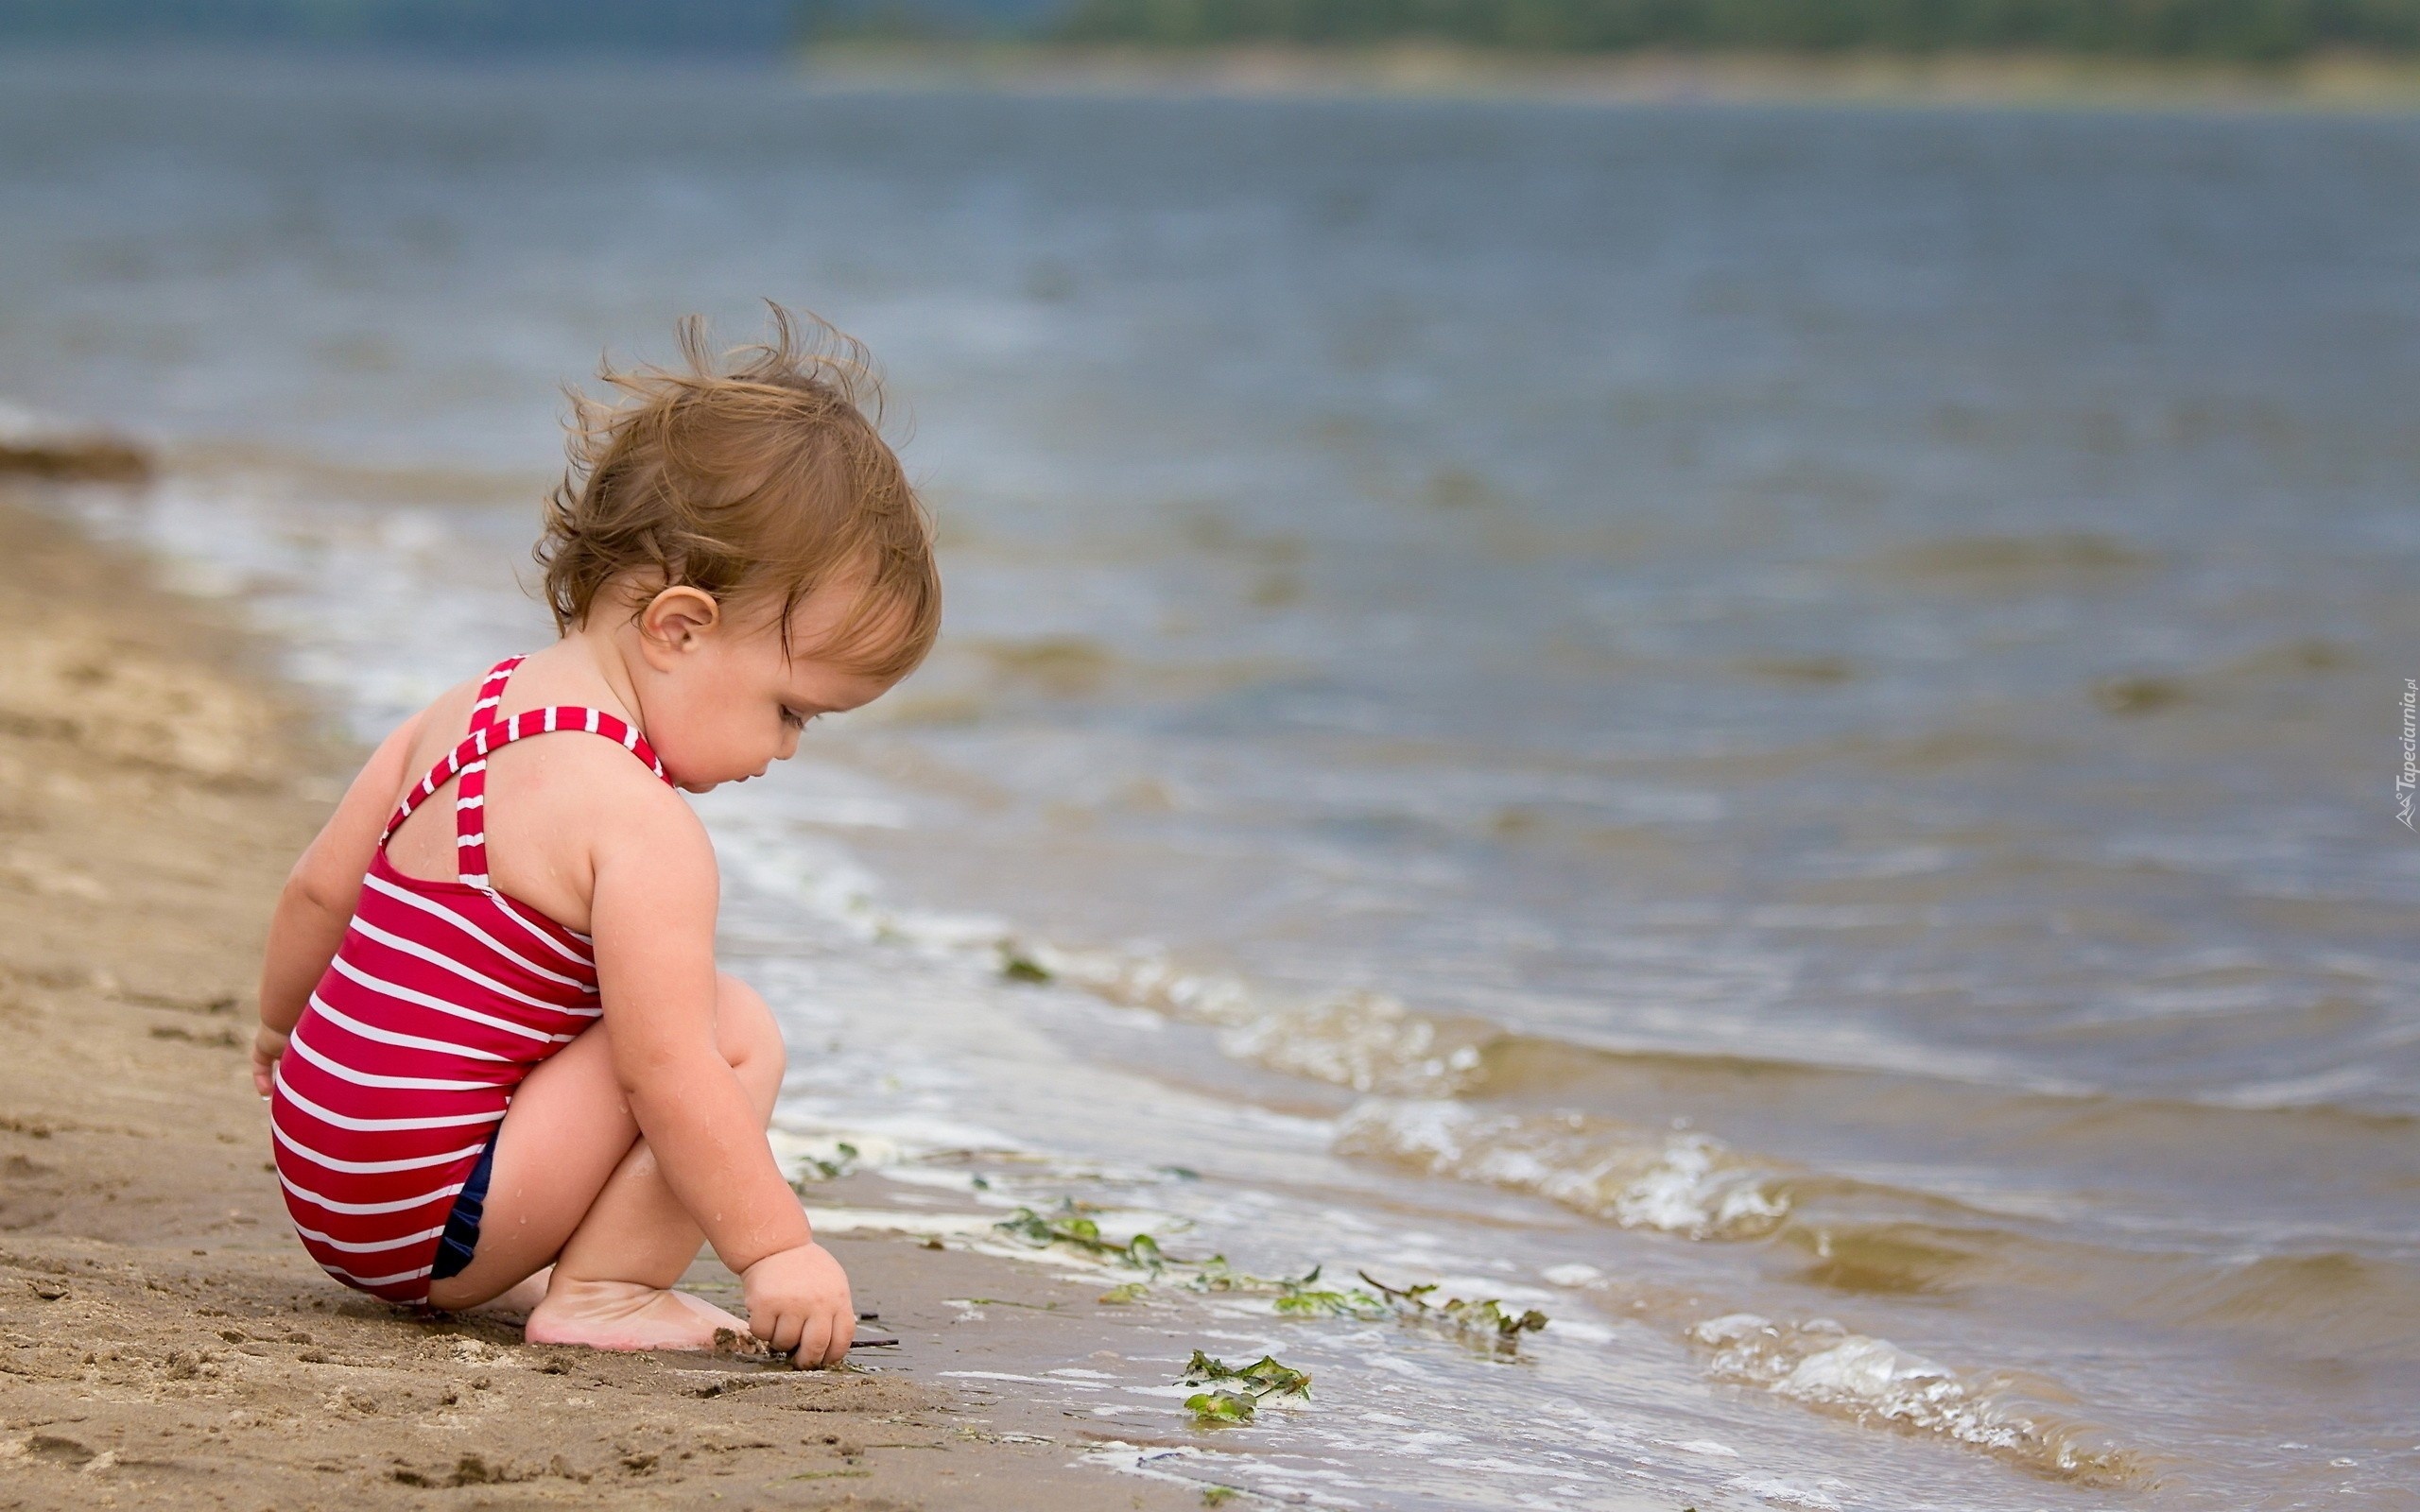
{"points": [[492, 1035]]}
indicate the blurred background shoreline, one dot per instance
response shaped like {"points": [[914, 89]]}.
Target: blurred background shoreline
{"points": [[2077, 53], [1421, 69]]}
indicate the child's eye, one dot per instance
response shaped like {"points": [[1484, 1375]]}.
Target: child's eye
{"points": [[794, 718]]}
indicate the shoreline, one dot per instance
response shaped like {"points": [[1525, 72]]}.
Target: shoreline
{"points": [[2336, 84], [163, 1339]]}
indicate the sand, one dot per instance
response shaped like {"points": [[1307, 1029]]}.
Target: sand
{"points": [[164, 1341]]}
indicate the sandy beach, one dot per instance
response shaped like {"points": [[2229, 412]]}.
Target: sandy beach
{"points": [[164, 1342]]}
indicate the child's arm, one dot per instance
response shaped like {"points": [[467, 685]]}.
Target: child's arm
{"points": [[318, 898], [652, 916]]}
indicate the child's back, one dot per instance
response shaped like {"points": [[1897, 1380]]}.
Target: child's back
{"points": [[445, 992], [493, 1030]]}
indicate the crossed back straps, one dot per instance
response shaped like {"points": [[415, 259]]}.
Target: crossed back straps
{"points": [[468, 763]]}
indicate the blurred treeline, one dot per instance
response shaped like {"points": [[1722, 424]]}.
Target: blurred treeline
{"points": [[2237, 30], [709, 26]]}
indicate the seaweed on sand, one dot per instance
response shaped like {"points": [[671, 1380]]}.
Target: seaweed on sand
{"points": [[816, 1168], [1295, 1296], [1481, 1321], [1070, 1227], [1236, 1391]]}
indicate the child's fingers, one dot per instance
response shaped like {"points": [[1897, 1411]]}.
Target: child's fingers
{"points": [[813, 1341], [842, 1337], [780, 1331]]}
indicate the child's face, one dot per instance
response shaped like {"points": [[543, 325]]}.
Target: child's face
{"points": [[725, 700]]}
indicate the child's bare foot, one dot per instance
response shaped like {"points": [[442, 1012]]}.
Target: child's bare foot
{"points": [[625, 1315]]}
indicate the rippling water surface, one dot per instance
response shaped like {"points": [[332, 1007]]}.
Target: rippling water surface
{"points": [[1770, 729]]}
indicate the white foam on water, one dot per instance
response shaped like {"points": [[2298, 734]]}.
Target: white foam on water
{"points": [[1784, 1493], [1682, 1182], [1370, 1041], [1825, 1366], [1366, 1040]]}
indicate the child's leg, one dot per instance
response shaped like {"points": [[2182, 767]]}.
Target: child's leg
{"points": [[574, 1184], [519, 1298]]}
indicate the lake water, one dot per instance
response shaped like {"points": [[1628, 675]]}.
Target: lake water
{"points": [[1771, 729]]}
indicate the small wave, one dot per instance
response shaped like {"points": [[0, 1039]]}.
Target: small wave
{"points": [[1366, 1041], [1868, 1380], [1151, 981], [2337, 1305], [1678, 1182], [1369, 1042]]}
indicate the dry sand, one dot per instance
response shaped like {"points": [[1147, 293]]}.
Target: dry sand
{"points": [[163, 1341]]}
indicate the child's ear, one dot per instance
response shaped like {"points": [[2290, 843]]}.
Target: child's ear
{"points": [[673, 623]]}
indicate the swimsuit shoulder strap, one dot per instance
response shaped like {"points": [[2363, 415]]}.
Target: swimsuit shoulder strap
{"points": [[492, 692], [468, 762]]}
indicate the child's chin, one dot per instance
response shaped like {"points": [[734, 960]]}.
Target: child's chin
{"points": [[690, 782]]}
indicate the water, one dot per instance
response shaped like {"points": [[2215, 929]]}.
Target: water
{"points": [[1771, 729]]}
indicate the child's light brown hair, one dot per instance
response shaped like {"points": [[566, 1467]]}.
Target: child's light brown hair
{"points": [[761, 475]]}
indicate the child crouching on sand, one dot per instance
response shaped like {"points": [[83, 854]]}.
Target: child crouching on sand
{"points": [[492, 1035]]}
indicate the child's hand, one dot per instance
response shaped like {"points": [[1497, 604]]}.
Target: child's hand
{"points": [[268, 1046], [799, 1303]]}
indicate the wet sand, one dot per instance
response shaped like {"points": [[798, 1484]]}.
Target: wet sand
{"points": [[164, 1341]]}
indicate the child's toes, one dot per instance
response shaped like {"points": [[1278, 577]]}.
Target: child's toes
{"points": [[625, 1316]]}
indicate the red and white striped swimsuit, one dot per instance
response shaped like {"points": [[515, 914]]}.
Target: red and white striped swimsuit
{"points": [[442, 998]]}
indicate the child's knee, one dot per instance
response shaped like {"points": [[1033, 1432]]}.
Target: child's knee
{"points": [[744, 1027]]}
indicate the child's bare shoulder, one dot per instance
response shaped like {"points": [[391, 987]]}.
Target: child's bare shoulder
{"points": [[597, 789], [440, 726], [566, 808]]}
